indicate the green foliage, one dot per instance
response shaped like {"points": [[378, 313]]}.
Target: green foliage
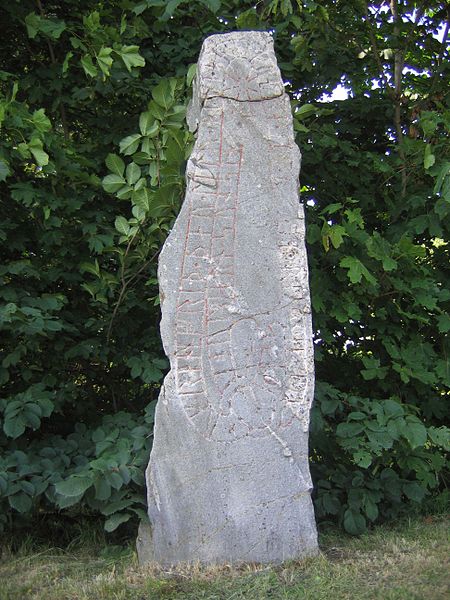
{"points": [[99, 469], [385, 454], [92, 158]]}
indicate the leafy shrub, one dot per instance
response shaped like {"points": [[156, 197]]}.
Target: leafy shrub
{"points": [[99, 469], [371, 458]]}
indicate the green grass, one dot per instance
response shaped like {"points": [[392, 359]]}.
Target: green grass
{"points": [[408, 561]]}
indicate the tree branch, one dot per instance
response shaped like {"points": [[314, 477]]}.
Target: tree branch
{"points": [[375, 50], [399, 62], [126, 284], [62, 109], [442, 52]]}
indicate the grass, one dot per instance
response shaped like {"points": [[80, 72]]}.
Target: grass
{"points": [[408, 561]]}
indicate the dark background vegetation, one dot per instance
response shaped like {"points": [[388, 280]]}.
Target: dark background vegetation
{"points": [[92, 153]]}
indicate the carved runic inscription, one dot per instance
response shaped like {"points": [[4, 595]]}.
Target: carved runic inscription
{"points": [[228, 477], [229, 369]]}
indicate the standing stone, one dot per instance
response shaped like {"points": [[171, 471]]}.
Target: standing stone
{"points": [[228, 479]]}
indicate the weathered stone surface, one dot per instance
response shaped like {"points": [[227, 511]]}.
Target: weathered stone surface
{"points": [[228, 478], [144, 545]]}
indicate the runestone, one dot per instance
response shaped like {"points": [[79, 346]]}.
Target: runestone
{"points": [[228, 478]]}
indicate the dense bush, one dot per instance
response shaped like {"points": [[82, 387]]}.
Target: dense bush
{"points": [[92, 158]]}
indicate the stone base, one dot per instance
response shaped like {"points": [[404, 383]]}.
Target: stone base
{"points": [[144, 543]]}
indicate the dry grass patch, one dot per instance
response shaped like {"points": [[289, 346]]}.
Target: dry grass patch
{"points": [[406, 562]]}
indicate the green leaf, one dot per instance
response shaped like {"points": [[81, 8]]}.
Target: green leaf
{"points": [[23, 150], [356, 416], [191, 74], [92, 21], [138, 213], [346, 430], [141, 198], [115, 520], [329, 406], [122, 225], [33, 421], [389, 264], [32, 21], [163, 94], [12, 359], [36, 149], [115, 480], [429, 121], [41, 121], [356, 494], [355, 216], [114, 507], [444, 173], [88, 66], [148, 125], [14, 408], [67, 501], [125, 474], [151, 374], [363, 459], [393, 408], [394, 428], [414, 491], [104, 60], [74, 486], [129, 144], [32, 407], [356, 270], [331, 504], [102, 490], [3, 484], [20, 502], [90, 268], [112, 183], [4, 170], [171, 6], [333, 208], [429, 159], [131, 57], [415, 432], [373, 369], [115, 164], [379, 439], [440, 436], [370, 508], [65, 66], [133, 173], [125, 192], [14, 427], [136, 368], [443, 323], [307, 110], [47, 406], [354, 522], [98, 435], [213, 5], [51, 28], [156, 110]]}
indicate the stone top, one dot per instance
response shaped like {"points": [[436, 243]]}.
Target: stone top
{"points": [[240, 66]]}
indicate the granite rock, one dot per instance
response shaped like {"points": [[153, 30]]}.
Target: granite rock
{"points": [[228, 478]]}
